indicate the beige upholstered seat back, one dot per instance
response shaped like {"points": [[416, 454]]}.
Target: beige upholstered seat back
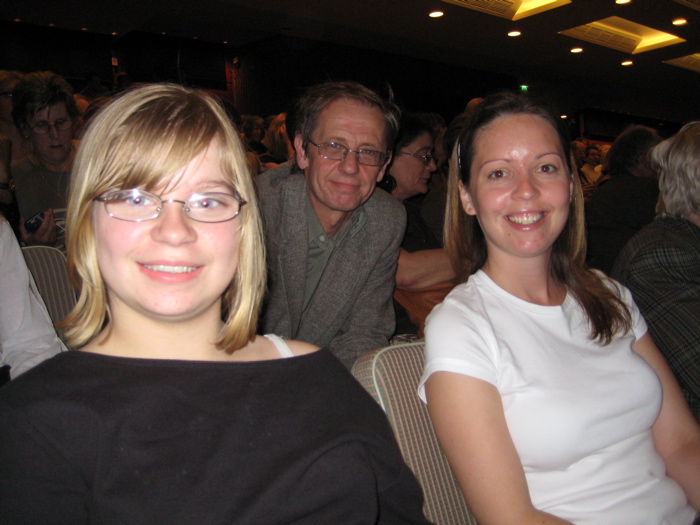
{"points": [[391, 376], [48, 267]]}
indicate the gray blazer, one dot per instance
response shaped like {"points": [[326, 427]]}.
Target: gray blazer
{"points": [[351, 311]]}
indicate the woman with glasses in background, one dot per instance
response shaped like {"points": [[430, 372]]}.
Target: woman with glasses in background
{"points": [[423, 264], [173, 410], [44, 112]]}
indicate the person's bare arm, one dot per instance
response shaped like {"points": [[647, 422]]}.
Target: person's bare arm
{"points": [[423, 268], [469, 421], [676, 433]]}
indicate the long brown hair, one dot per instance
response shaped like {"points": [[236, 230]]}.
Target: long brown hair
{"points": [[464, 239]]}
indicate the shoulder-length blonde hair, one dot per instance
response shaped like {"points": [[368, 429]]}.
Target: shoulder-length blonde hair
{"points": [[465, 242], [141, 140]]}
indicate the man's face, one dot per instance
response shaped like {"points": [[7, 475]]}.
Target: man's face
{"points": [[593, 157], [579, 153], [337, 187]]}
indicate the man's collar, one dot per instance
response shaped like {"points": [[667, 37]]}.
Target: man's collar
{"points": [[353, 225]]}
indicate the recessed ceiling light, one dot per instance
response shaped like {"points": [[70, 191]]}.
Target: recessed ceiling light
{"points": [[622, 1], [83, 28], [627, 63], [225, 41], [577, 50], [436, 14], [680, 22], [114, 33], [563, 116], [163, 33], [17, 20], [514, 33], [52, 25]]}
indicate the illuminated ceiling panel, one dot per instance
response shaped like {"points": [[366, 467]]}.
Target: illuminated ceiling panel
{"points": [[623, 35], [512, 10], [691, 62]]}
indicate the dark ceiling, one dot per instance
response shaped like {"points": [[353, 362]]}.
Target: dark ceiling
{"points": [[462, 37]]}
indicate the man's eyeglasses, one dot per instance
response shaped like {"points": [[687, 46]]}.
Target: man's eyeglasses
{"points": [[427, 159], [42, 127], [335, 151], [139, 205]]}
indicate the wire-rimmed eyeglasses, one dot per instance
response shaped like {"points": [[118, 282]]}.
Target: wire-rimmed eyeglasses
{"points": [[139, 205], [335, 151], [42, 127], [427, 159]]}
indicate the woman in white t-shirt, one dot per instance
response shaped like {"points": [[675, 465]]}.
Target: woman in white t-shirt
{"points": [[548, 396]]}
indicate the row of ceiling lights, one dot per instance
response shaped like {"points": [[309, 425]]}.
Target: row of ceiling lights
{"points": [[516, 33]]}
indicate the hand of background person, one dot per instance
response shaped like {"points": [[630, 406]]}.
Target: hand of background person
{"points": [[45, 235]]}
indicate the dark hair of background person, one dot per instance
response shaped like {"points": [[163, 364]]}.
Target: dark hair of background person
{"points": [[309, 107], [465, 242], [411, 126], [628, 148], [37, 91]]}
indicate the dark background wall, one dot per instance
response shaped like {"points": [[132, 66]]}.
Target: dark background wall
{"points": [[264, 78]]}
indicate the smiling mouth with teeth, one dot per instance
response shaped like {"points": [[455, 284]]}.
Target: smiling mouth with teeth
{"points": [[170, 269], [526, 219]]}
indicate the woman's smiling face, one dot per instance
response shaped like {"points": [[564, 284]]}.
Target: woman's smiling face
{"points": [[520, 187]]}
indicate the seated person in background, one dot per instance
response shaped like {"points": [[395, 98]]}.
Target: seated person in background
{"points": [[20, 146], [173, 410], [45, 112], [422, 261], [550, 400], [253, 130], [332, 241], [661, 264], [279, 148], [626, 201], [591, 161], [27, 336]]}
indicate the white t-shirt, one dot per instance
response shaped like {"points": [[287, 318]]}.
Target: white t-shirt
{"points": [[579, 414]]}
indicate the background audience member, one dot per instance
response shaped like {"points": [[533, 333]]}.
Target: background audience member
{"points": [[174, 411], [661, 263], [591, 162], [627, 201], [27, 336], [20, 146], [422, 261], [44, 111], [279, 147], [253, 131], [549, 398], [93, 87]]}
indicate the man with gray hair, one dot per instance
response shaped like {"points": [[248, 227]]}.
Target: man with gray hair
{"points": [[332, 241], [661, 264]]}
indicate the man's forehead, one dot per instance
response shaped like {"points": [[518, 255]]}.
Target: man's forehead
{"points": [[351, 116]]}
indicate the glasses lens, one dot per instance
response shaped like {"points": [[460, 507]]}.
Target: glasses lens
{"points": [[41, 128], [62, 124], [332, 151], [370, 157], [212, 207], [132, 205]]}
